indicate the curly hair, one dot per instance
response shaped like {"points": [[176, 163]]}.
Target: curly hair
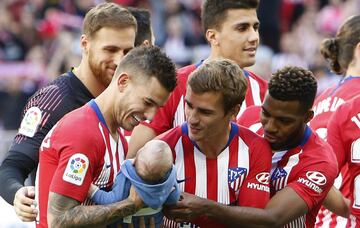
{"points": [[294, 84], [146, 62], [339, 51], [223, 76], [214, 12]]}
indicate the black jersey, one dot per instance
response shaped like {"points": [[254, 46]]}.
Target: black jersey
{"points": [[58, 98], [42, 111]]}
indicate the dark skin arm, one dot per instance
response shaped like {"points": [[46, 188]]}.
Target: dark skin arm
{"points": [[337, 203], [67, 212], [276, 213]]}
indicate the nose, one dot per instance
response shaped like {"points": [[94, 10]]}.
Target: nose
{"points": [[150, 113], [118, 57], [254, 35], [192, 117], [269, 126]]}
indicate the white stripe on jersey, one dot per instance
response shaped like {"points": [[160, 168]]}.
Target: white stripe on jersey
{"points": [[352, 221], [37, 186], [223, 195], [104, 176], [114, 148], [179, 116], [201, 173], [242, 109], [297, 223], [293, 161], [255, 91], [179, 164]]}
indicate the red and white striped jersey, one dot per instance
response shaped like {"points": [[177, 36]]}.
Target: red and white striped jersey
{"points": [[239, 176], [309, 169], [250, 118], [173, 113], [344, 137], [78, 151], [324, 106]]}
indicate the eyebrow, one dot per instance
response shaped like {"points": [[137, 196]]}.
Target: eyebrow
{"points": [[200, 109]]}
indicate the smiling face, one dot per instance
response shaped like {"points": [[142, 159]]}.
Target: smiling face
{"points": [[238, 37], [206, 116], [105, 49], [283, 123], [140, 100]]}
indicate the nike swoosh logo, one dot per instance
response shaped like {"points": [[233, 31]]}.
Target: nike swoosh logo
{"points": [[107, 166]]}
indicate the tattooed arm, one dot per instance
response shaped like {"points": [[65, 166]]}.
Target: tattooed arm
{"points": [[67, 212]]}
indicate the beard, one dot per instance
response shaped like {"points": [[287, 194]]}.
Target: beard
{"points": [[100, 74]]}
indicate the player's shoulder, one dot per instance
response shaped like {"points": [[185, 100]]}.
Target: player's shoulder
{"points": [[172, 135], [184, 72], [61, 83], [79, 119], [318, 152], [256, 77], [250, 137]]}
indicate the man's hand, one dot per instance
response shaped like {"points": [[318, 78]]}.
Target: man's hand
{"points": [[24, 204], [186, 209], [135, 198]]}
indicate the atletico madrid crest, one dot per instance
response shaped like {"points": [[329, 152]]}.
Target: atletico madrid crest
{"points": [[235, 177]]}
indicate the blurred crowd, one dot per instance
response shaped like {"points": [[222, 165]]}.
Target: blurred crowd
{"points": [[39, 39]]}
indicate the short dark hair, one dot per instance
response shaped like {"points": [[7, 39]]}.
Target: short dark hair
{"points": [[214, 12], [294, 84], [107, 15], [149, 62], [143, 32], [339, 51], [223, 76]]}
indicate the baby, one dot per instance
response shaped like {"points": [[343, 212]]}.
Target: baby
{"points": [[154, 177]]}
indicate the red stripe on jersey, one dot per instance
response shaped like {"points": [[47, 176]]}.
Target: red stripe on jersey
{"points": [[212, 180], [189, 165]]}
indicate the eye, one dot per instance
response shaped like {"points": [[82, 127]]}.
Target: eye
{"points": [[111, 49], [285, 121], [265, 113], [148, 103], [127, 50], [256, 27], [241, 28]]}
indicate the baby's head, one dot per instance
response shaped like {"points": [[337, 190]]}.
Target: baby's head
{"points": [[153, 161]]}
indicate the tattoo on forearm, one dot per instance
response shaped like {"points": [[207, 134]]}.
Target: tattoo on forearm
{"points": [[68, 212]]}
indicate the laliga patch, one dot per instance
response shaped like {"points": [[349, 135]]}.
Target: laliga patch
{"points": [[30, 122], [76, 169]]}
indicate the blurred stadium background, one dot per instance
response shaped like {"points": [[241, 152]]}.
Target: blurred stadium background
{"points": [[39, 40]]}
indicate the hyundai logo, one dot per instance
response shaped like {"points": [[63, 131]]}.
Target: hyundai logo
{"points": [[263, 178], [316, 177]]}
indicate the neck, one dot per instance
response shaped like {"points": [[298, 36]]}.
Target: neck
{"points": [[216, 55], [107, 110], [213, 146], [353, 71], [86, 76]]}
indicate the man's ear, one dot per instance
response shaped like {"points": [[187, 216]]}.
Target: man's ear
{"points": [[308, 116], [146, 43], [123, 81], [84, 43], [211, 37]]}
